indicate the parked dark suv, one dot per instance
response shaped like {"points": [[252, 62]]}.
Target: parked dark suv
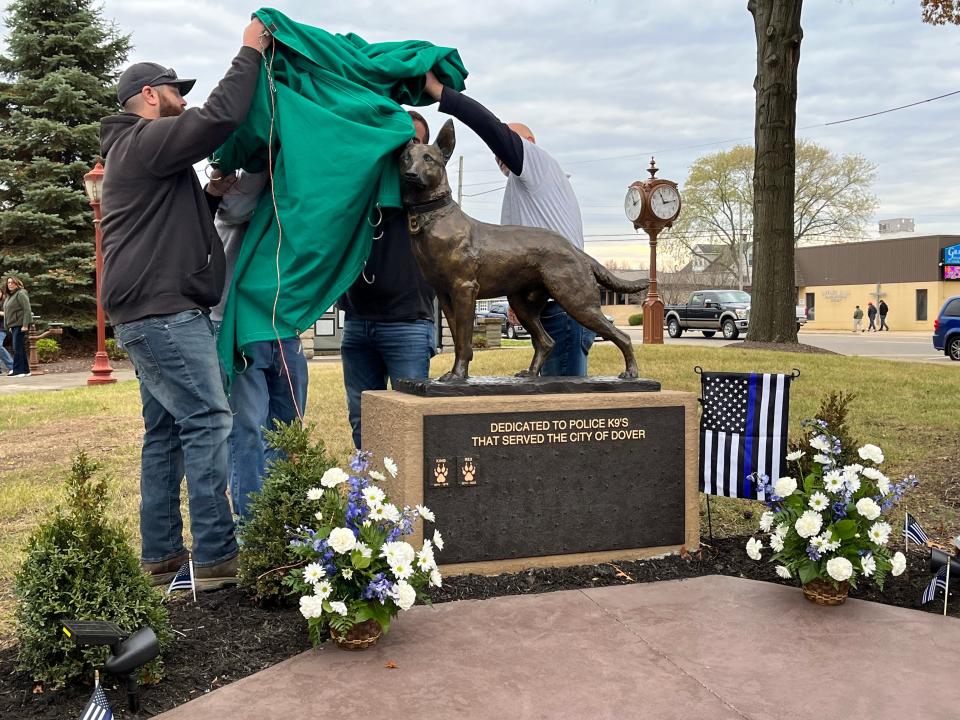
{"points": [[946, 329], [507, 329]]}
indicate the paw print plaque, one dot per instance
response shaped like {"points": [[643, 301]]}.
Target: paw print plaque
{"points": [[441, 473], [467, 468]]}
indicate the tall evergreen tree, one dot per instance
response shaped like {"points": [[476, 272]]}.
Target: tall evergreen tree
{"points": [[59, 75]]}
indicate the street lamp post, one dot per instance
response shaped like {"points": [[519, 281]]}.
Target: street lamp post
{"points": [[102, 373]]}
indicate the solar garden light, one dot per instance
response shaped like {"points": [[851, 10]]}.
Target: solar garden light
{"points": [[128, 653], [938, 558]]}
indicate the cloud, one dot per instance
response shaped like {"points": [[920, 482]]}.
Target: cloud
{"points": [[606, 82]]}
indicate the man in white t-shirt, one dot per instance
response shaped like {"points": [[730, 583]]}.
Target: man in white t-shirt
{"points": [[538, 194]]}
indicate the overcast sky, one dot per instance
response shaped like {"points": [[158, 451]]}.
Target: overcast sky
{"points": [[605, 83]]}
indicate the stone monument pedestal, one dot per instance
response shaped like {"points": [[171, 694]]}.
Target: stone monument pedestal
{"points": [[548, 475]]}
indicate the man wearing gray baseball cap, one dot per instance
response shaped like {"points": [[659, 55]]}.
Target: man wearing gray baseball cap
{"points": [[163, 270]]}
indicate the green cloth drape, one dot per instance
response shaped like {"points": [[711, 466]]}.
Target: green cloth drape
{"points": [[337, 127]]}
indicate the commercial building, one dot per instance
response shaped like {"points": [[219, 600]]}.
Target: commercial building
{"points": [[913, 275]]}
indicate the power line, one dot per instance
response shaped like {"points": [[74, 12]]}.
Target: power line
{"points": [[484, 192], [742, 139]]}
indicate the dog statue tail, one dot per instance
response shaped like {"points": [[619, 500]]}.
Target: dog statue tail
{"points": [[612, 282]]}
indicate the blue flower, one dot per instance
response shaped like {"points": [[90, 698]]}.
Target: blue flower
{"points": [[839, 509], [813, 553]]}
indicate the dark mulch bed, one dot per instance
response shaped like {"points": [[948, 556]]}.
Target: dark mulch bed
{"points": [[78, 364], [223, 637], [781, 347]]}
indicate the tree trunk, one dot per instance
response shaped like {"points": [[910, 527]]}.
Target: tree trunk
{"points": [[777, 25]]}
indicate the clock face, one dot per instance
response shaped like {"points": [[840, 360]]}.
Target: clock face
{"points": [[665, 202], [633, 204]]}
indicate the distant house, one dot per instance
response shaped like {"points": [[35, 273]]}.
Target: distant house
{"points": [[717, 262]]}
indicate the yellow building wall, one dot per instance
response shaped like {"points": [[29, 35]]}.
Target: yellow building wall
{"points": [[835, 304]]}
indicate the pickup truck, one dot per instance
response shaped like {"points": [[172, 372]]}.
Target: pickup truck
{"points": [[712, 311]]}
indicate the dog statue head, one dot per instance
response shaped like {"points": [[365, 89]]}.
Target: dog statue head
{"points": [[423, 171]]}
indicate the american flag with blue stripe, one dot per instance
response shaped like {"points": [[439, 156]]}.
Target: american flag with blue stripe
{"points": [[184, 579], [99, 707], [743, 432], [939, 582], [912, 529]]}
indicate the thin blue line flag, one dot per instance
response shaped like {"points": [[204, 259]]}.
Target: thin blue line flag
{"points": [[939, 581], [743, 432], [912, 529], [99, 707]]}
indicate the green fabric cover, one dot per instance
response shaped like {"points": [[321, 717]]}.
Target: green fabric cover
{"points": [[338, 125]]}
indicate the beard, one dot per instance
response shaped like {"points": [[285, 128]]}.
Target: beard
{"points": [[168, 108]]}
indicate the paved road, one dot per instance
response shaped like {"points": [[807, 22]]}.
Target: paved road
{"points": [[911, 347]]}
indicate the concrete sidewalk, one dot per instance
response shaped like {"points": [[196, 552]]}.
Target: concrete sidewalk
{"points": [[712, 648], [54, 381]]}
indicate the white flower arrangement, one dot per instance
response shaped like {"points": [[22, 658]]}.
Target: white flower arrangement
{"points": [[356, 566], [828, 525]]}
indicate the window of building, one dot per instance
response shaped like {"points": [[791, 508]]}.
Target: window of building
{"points": [[811, 305], [921, 305]]}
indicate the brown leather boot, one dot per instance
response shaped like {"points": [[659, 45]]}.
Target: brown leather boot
{"points": [[216, 576], [162, 573]]}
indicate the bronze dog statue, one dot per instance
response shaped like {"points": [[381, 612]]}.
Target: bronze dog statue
{"points": [[464, 259]]}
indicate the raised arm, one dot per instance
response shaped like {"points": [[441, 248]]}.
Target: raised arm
{"points": [[504, 143], [169, 144]]}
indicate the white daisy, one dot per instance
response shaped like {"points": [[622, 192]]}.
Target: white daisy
{"points": [[323, 589], [776, 543], [391, 466], [315, 493], [373, 496], [314, 573], [819, 501], [426, 513], [438, 539], [377, 475], [347, 573], [783, 572]]}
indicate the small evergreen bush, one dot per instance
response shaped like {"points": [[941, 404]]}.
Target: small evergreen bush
{"points": [[636, 319], [48, 350], [114, 351], [831, 417], [81, 565], [281, 505]]}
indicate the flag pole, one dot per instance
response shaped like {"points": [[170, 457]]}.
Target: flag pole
{"points": [[906, 538], [193, 582], [946, 589], [709, 519], [96, 679]]}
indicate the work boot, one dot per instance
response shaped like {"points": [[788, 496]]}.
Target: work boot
{"points": [[216, 576], [162, 573]]}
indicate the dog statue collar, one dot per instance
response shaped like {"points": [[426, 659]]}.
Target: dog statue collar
{"points": [[415, 209]]}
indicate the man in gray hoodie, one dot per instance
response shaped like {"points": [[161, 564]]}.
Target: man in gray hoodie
{"points": [[163, 270]]}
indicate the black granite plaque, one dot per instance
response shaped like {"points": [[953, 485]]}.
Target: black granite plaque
{"points": [[499, 385], [527, 484]]}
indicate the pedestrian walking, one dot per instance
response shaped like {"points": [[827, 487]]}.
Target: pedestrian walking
{"points": [[6, 360], [858, 320], [884, 309], [18, 316], [872, 316]]}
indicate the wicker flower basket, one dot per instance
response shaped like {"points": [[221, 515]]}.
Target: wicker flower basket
{"points": [[823, 592], [360, 637]]}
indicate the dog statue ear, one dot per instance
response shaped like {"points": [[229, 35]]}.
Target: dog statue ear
{"points": [[447, 140]]}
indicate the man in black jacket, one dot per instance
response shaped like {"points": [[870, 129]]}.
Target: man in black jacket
{"points": [[388, 329], [163, 270]]}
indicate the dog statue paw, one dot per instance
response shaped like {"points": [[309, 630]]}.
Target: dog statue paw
{"points": [[629, 375], [451, 377], [524, 374]]}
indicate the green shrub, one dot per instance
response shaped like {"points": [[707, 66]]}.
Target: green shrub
{"points": [[636, 319], [833, 412], [281, 504], [48, 350], [80, 565], [114, 351]]}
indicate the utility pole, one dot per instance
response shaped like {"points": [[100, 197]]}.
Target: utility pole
{"points": [[460, 183]]}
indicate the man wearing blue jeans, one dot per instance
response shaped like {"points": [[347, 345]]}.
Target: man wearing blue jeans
{"points": [[388, 330], [163, 269], [273, 385]]}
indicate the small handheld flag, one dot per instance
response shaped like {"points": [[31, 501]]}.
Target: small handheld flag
{"points": [[98, 708], [184, 579], [913, 531], [939, 581]]}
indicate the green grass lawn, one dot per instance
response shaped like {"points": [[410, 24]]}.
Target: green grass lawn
{"points": [[909, 409]]}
